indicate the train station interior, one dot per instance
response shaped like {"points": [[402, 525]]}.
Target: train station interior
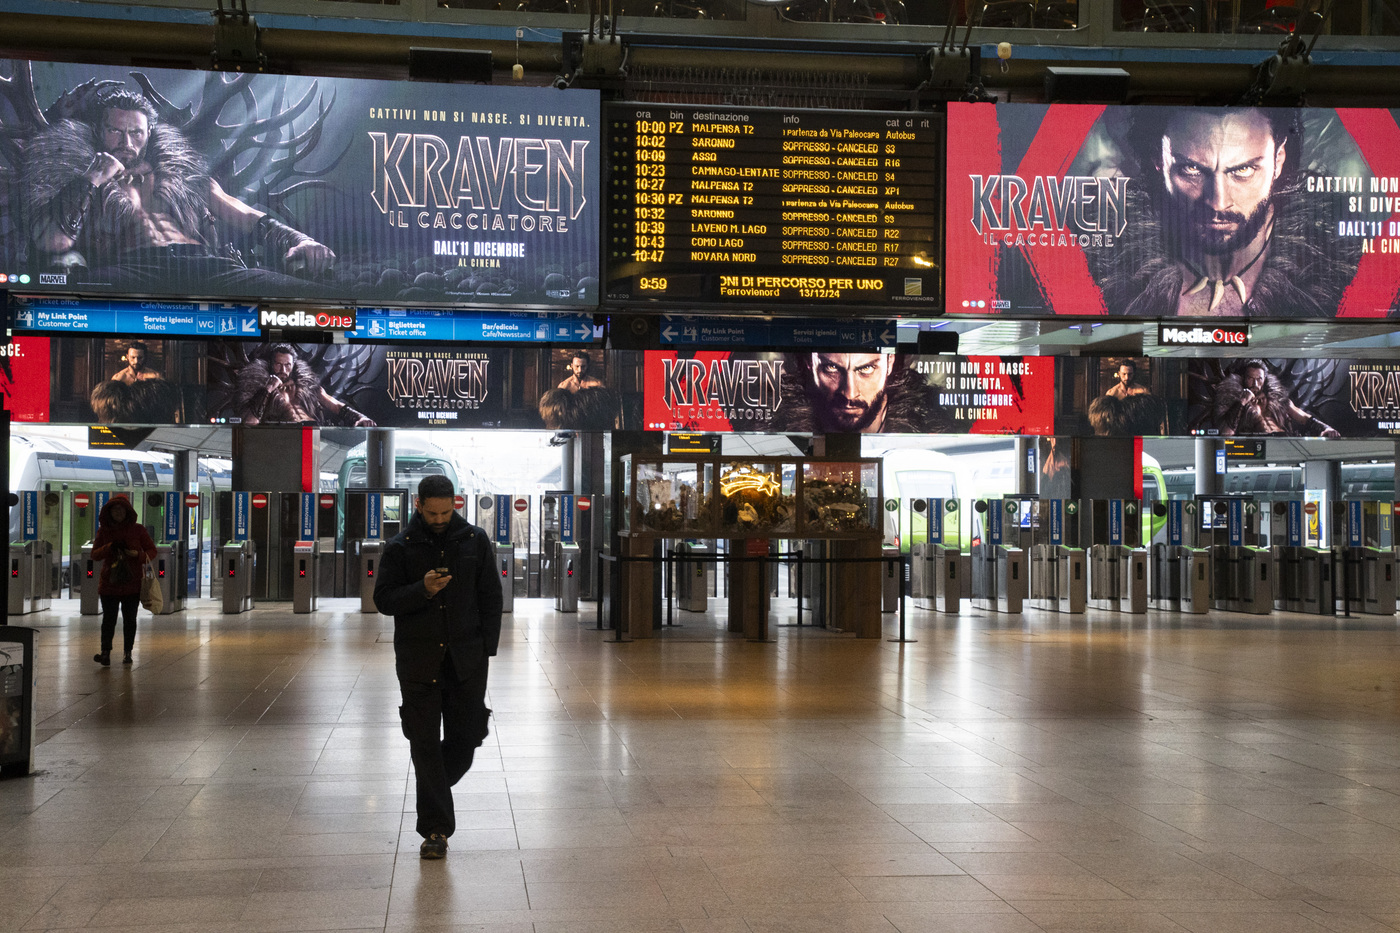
{"points": [[939, 456]]}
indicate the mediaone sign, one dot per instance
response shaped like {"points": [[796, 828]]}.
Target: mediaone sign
{"points": [[343, 319], [1176, 335]]}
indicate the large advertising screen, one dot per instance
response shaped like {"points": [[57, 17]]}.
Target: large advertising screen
{"points": [[427, 386], [237, 186], [765, 206], [1158, 212], [824, 393]]}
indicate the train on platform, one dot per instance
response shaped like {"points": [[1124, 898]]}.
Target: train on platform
{"points": [[1283, 481]]}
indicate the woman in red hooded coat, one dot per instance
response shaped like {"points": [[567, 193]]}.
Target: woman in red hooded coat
{"points": [[123, 546]]}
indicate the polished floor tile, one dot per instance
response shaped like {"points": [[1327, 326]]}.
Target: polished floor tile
{"points": [[1036, 774]]}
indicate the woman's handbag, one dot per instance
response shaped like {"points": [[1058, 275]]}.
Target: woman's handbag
{"points": [[151, 596]]}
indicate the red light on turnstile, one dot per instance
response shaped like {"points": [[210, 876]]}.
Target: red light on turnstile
{"points": [[369, 568], [231, 565]]}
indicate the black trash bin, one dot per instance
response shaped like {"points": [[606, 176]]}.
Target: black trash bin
{"points": [[16, 701]]}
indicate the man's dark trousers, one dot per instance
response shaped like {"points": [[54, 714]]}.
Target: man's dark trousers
{"points": [[445, 723]]}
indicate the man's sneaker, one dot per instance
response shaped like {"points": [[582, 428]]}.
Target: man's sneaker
{"points": [[435, 846]]}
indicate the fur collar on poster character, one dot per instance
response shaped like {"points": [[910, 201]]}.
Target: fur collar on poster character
{"points": [[252, 386], [180, 175], [1235, 413], [1305, 268], [911, 404]]}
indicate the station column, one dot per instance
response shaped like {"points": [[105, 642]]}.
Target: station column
{"points": [[1209, 482]]}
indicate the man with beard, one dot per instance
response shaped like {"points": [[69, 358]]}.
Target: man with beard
{"points": [[867, 393], [1125, 383], [135, 369], [1220, 228], [1253, 401], [286, 391], [107, 187]]}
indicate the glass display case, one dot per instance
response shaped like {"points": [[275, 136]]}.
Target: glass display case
{"points": [[840, 499], [674, 498], [758, 498], [750, 497]]}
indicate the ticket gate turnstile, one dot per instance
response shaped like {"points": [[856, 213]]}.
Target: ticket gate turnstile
{"points": [[87, 575], [1059, 578], [1118, 578], [1368, 580], [999, 577], [238, 561], [169, 569], [505, 565], [306, 559], [1243, 579], [370, 552], [29, 576], [566, 560]]}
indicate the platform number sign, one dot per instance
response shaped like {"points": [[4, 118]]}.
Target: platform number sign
{"points": [[241, 506]]}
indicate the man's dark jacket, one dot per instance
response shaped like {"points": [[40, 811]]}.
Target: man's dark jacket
{"points": [[464, 617]]}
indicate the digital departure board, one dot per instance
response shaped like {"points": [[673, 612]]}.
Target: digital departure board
{"points": [[761, 207]]}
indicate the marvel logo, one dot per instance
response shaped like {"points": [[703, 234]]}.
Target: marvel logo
{"points": [[53, 278]]}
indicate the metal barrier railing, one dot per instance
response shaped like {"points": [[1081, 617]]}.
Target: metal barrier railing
{"points": [[669, 559]]}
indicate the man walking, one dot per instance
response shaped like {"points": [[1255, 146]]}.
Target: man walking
{"points": [[438, 580]]}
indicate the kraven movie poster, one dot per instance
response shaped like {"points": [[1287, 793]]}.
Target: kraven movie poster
{"points": [[1157, 212], [1292, 398], [823, 393], [221, 185]]}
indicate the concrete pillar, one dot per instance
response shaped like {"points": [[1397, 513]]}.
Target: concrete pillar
{"points": [[379, 459], [1208, 482], [1327, 476]]}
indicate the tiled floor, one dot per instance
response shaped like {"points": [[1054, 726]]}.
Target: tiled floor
{"points": [[1000, 775]]}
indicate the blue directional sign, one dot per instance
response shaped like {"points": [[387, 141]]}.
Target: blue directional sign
{"points": [[29, 510], [502, 519], [1354, 537], [1115, 521], [686, 330], [935, 521], [1295, 523], [167, 318], [477, 326], [374, 516], [173, 502], [1057, 521], [101, 498], [306, 526], [1174, 521], [240, 515], [566, 519], [1235, 522], [993, 521]]}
